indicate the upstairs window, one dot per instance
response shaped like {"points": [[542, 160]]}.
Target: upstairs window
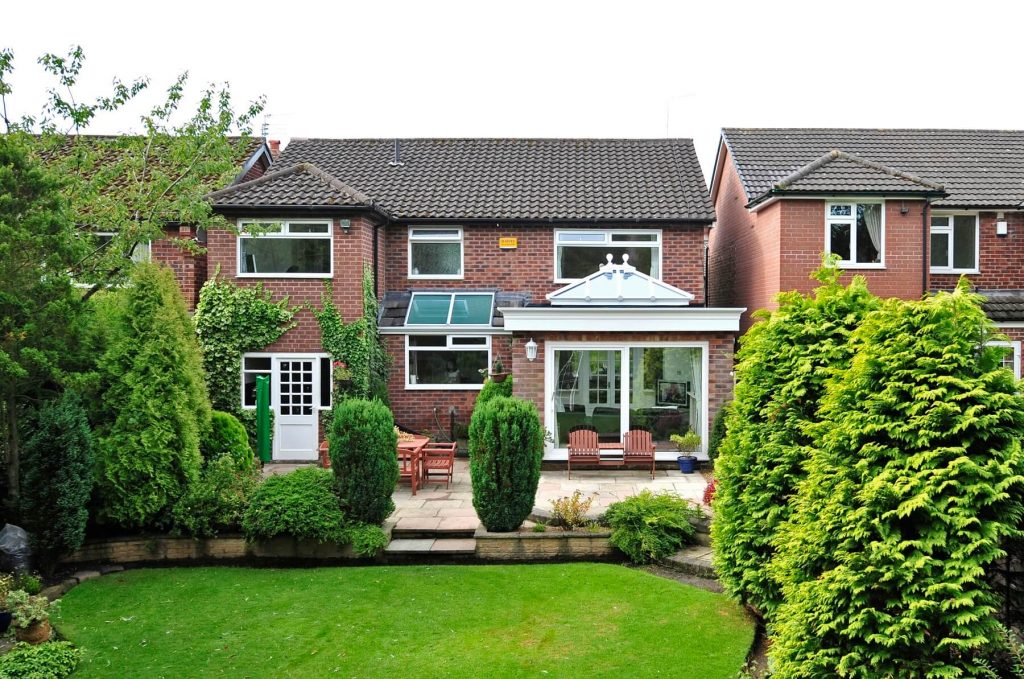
{"points": [[954, 244], [289, 249], [435, 253], [580, 253], [855, 232], [142, 252], [442, 308]]}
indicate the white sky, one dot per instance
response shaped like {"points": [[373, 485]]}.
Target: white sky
{"points": [[549, 68]]}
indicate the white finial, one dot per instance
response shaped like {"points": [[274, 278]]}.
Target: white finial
{"points": [[608, 258], [625, 258]]}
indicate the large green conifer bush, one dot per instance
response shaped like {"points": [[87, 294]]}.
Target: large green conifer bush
{"points": [[506, 444], [155, 408], [784, 362], [913, 483], [362, 449]]}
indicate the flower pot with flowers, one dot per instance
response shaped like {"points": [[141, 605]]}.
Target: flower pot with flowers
{"points": [[498, 373], [342, 376], [31, 613]]}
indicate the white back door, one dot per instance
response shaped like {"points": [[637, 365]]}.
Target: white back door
{"points": [[296, 396]]}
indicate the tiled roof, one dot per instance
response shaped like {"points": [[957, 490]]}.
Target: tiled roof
{"points": [[564, 179], [299, 185], [395, 305], [840, 171], [1004, 305], [977, 168]]}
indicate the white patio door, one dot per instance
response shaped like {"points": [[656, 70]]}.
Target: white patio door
{"points": [[295, 400]]}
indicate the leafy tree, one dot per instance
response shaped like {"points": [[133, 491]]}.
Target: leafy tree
{"points": [[784, 362], [914, 479], [156, 407], [227, 438], [57, 478], [362, 448], [506, 444]]}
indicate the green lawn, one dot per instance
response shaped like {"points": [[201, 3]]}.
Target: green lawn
{"points": [[566, 620]]}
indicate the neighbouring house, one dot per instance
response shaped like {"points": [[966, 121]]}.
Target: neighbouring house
{"points": [[579, 263], [910, 210]]}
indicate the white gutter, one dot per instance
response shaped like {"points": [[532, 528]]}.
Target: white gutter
{"points": [[619, 319]]}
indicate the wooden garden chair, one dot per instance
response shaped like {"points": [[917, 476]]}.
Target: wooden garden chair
{"points": [[638, 448], [438, 460], [409, 465], [584, 446]]}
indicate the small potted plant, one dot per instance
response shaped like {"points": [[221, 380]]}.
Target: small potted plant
{"points": [[498, 374], [342, 375], [31, 613], [687, 444], [6, 585]]}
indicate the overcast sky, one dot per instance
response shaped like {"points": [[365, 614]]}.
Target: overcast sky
{"points": [[550, 68]]}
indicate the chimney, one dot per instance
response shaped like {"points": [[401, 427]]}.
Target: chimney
{"points": [[396, 160], [275, 148]]}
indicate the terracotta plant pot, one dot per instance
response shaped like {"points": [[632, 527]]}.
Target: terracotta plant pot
{"points": [[35, 633], [498, 377]]}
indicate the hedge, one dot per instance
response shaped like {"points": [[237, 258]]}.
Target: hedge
{"points": [[362, 444]]}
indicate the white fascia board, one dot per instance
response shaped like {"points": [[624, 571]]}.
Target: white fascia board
{"points": [[615, 319], [477, 330]]}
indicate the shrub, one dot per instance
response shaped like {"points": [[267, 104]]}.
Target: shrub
{"points": [[26, 581], [217, 501], [784, 362], [362, 448], [914, 480], [571, 511], [301, 503], [155, 404], [717, 432], [57, 479], [367, 539], [492, 389], [648, 526], [52, 660], [27, 609], [506, 444], [228, 437]]}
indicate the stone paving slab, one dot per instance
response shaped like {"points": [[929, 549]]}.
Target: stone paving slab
{"points": [[454, 546], [418, 523], [410, 546], [459, 523]]}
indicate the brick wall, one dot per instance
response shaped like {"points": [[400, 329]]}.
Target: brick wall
{"points": [[1002, 257], [189, 269], [531, 267]]}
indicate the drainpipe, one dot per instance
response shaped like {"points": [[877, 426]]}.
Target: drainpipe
{"points": [[707, 269], [925, 261]]}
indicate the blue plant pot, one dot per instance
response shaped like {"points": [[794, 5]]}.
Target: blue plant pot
{"points": [[686, 463]]}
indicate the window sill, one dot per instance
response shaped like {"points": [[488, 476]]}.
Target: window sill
{"points": [[443, 387], [566, 281], [427, 277], [284, 275], [956, 272], [867, 267]]}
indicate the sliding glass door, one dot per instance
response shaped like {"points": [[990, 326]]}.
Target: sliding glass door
{"points": [[659, 388]]}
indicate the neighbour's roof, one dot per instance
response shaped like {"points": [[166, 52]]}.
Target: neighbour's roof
{"points": [[841, 171], [1003, 305], [299, 185], [525, 179], [395, 306], [977, 168]]}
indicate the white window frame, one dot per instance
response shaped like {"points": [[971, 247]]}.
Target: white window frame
{"points": [[284, 233], [282, 356], [948, 230], [449, 347], [608, 233], [451, 310], [148, 246], [830, 220], [431, 234], [1015, 345]]}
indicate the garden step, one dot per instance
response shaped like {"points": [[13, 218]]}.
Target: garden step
{"points": [[694, 560], [431, 546], [435, 527]]}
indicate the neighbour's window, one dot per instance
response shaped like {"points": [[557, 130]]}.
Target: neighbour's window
{"points": [[580, 253], [855, 232], [435, 253], [253, 367], [285, 249], [446, 361], [141, 253], [442, 308], [1011, 358], [954, 243]]}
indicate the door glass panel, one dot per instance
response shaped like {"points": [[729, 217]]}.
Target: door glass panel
{"points": [[296, 387], [665, 392], [587, 384]]}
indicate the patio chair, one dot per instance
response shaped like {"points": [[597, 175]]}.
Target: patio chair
{"points": [[438, 460], [408, 467], [583, 446], [638, 448]]}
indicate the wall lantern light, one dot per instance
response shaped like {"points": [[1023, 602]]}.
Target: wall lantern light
{"points": [[346, 225], [531, 350], [1001, 229]]}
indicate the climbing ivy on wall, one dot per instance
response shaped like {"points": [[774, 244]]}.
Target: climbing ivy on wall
{"points": [[231, 320], [361, 362]]}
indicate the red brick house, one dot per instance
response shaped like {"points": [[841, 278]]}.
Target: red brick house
{"points": [[579, 263], [910, 210]]}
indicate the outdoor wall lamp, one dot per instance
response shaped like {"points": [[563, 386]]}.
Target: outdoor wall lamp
{"points": [[346, 225], [531, 350], [1001, 224]]}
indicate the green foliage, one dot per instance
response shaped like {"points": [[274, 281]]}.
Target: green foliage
{"points": [[506, 443], [784, 362], [218, 500], [914, 480], [228, 437], [52, 660], [356, 345], [29, 582], [155, 403], [362, 448], [686, 443], [492, 389], [57, 479], [718, 429], [366, 539], [301, 504], [648, 526], [27, 609], [231, 320], [571, 511]]}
